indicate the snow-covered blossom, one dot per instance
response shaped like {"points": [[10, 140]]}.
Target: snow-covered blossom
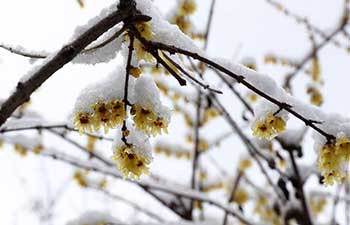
{"points": [[333, 160], [100, 104], [269, 121], [333, 154], [133, 158], [149, 114], [269, 127]]}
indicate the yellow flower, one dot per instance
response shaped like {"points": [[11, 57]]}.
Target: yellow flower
{"points": [[21, 150], [315, 70], [316, 97], [252, 97], [104, 114], [135, 72], [240, 197], [332, 157], [103, 184], [244, 164], [38, 149], [203, 145], [80, 179], [187, 7], [130, 164], [209, 114], [83, 122], [317, 205], [118, 115], [144, 28], [183, 23], [147, 121], [269, 127], [213, 187]]}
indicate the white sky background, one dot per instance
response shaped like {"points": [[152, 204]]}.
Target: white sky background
{"points": [[241, 28]]}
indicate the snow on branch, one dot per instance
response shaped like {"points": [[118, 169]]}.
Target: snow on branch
{"points": [[83, 37]]}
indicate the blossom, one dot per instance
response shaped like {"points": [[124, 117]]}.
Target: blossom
{"points": [[240, 197], [83, 122], [132, 154], [316, 97], [130, 164], [79, 177], [145, 30], [21, 150], [148, 121], [135, 72], [209, 114], [269, 126], [187, 7], [333, 156], [317, 205], [38, 149], [244, 164], [102, 114]]}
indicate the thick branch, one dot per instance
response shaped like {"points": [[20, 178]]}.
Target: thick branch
{"points": [[24, 89]]}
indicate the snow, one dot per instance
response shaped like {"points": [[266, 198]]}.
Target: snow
{"points": [[146, 94], [102, 54], [107, 89], [93, 218], [163, 31]]}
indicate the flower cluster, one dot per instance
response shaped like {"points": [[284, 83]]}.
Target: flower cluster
{"points": [[131, 164], [268, 127], [181, 17], [148, 113], [101, 114], [147, 121], [333, 160], [132, 159]]}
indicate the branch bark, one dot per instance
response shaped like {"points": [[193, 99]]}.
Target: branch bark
{"points": [[24, 89]]}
